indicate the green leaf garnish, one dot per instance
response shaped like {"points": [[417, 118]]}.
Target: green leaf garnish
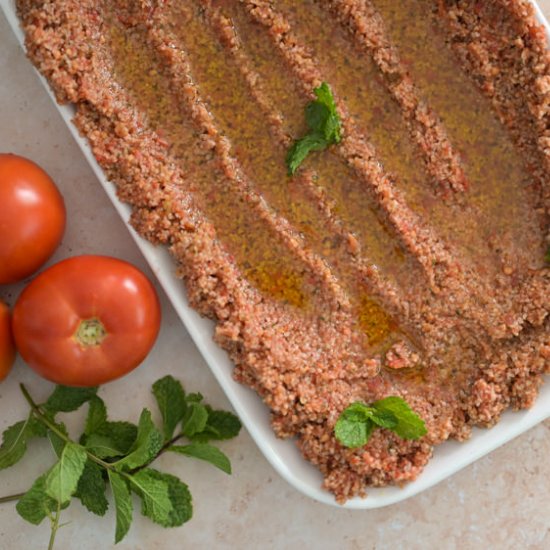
{"points": [[68, 399], [15, 438], [220, 425], [62, 480], [35, 504], [357, 422], [91, 489], [547, 256], [124, 433], [181, 508], [171, 403], [204, 451], [58, 441], [118, 453], [103, 446], [155, 499], [147, 444], [123, 504], [97, 415], [409, 424], [324, 126], [195, 419]]}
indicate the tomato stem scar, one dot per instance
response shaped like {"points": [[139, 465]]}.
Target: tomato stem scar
{"points": [[90, 332]]}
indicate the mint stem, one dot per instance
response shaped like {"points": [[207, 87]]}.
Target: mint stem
{"points": [[11, 498], [44, 419], [161, 451], [54, 526]]}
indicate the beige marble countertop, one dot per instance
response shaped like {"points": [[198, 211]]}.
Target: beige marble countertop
{"points": [[501, 501]]}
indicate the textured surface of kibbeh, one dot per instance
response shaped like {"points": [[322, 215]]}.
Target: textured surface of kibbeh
{"points": [[408, 260]]}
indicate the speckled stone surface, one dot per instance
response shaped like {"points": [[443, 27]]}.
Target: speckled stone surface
{"points": [[502, 501]]}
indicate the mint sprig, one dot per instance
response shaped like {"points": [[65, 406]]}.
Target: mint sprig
{"points": [[324, 128], [118, 454], [357, 421]]}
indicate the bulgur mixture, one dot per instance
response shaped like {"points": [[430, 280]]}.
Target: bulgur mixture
{"points": [[408, 260]]}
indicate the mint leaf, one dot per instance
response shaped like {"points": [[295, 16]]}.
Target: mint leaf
{"points": [[324, 128], [35, 504], [155, 497], [317, 116], [301, 149], [409, 424], [205, 452], [220, 425], [57, 442], [356, 423], [124, 433], [353, 431], [91, 489], [123, 504], [15, 438], [321, 115], [195, 419], [171, 403], [97, 415], [179, 495], [325, 97], [358, 412], [102, 446], [384, 419], [147, 444], [194, 398], [68, 399], [62, 479]]}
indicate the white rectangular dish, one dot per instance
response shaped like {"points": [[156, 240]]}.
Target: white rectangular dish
{"points": [[283, 454]]}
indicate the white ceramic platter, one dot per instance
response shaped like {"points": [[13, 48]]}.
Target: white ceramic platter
{"points": [[283, 454]]}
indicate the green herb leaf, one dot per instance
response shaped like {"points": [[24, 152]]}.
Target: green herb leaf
{"points": [[301, 149], [384, 419], [148, 443], [57, 442], [124, 433], [123, 504], [103, 446], [179, 495], [62, 479], [321, 115], [68, 399], [324, 128], [155, 497], [547, 256], [205, 452], [409, 424], [35, 504], [356, 423], [171, 402], [15, 438], [353, 431], [97, 415], [195, 419], [220, 425], [91, 489], [119, 452], [194, 398]]}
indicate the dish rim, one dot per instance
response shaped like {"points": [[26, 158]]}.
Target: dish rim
{"points": [[283, 455]]}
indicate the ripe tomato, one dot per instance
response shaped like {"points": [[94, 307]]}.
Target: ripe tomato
{"points": [[86, 320], [32, 218], [7, 348]]}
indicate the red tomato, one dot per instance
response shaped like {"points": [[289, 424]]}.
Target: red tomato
{"points": [[7, 348], [32, 218], [86, 320]]}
